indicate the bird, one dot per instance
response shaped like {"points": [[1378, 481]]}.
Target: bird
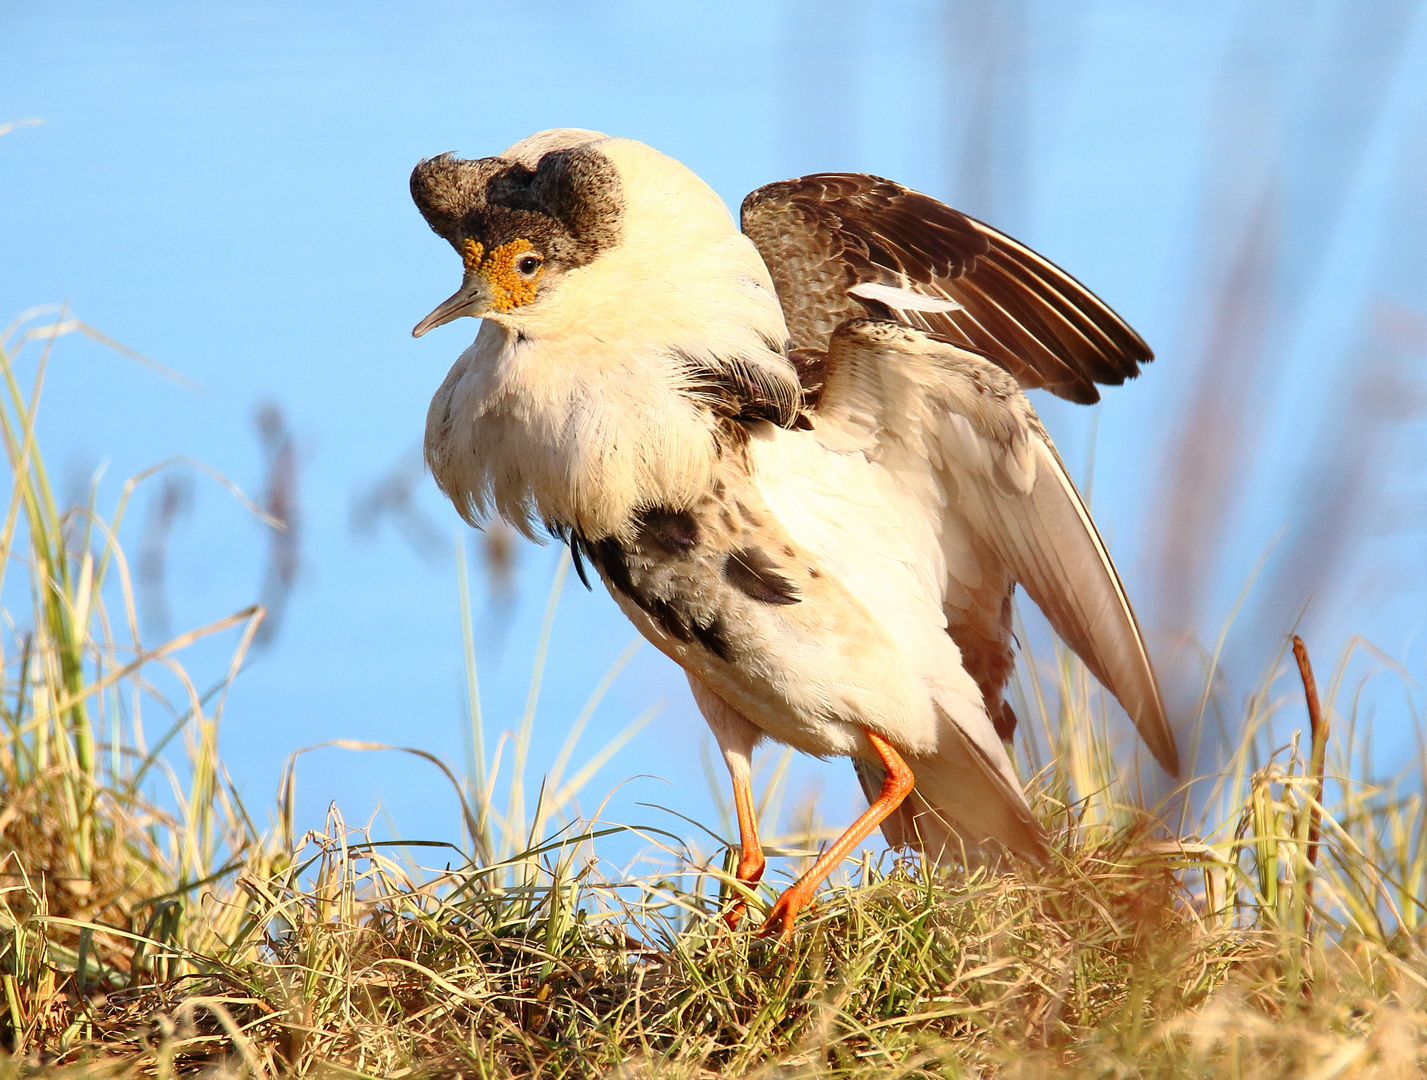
{"points": [[798, 451]]}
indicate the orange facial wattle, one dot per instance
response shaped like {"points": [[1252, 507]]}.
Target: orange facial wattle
{"points": [[508, 288], [471, 252]]}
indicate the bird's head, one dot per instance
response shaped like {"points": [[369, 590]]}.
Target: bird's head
{"points": [[520, 221], [571, 232]]}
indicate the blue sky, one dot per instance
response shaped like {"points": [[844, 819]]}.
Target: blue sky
{"points": [[223, 188]]}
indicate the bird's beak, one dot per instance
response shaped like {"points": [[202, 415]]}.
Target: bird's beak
{"points": [[472, 298]]}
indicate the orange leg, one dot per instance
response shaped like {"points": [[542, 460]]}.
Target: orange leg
{"points": [[751, 863], [895, 787]]}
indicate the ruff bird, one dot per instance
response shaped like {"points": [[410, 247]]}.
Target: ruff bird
{"points": [[800, 457]]}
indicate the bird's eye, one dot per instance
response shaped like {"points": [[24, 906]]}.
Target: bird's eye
{"points": [[528, 264]]}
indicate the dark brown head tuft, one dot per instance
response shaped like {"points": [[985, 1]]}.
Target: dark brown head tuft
{"points": [[446, 187], [568, 205]]}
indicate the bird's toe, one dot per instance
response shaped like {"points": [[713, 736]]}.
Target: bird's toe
{"points": [[785, 912]]}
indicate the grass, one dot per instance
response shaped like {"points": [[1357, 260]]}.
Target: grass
{"points": [[149, 928]]}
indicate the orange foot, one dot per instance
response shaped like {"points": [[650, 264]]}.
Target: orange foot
{"points": [[780, 920]]}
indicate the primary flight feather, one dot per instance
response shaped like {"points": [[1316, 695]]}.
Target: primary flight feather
{"points": [[799, 456]]}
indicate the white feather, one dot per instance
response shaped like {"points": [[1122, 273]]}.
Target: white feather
{"points": [[902, 299]]}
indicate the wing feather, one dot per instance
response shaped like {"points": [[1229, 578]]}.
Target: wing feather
{"points": [[823, 235], [927, 403]]}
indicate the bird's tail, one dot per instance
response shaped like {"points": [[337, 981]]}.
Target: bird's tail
{"points": [[965, 807]]}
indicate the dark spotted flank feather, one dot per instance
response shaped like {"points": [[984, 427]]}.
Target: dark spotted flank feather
{"points": [[823, 234]]}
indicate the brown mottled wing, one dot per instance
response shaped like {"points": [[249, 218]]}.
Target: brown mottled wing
{"points": [[823, 234]]}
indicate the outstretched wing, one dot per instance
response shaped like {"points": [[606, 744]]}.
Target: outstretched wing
{"points": [[826, 235], [917, 403]]}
